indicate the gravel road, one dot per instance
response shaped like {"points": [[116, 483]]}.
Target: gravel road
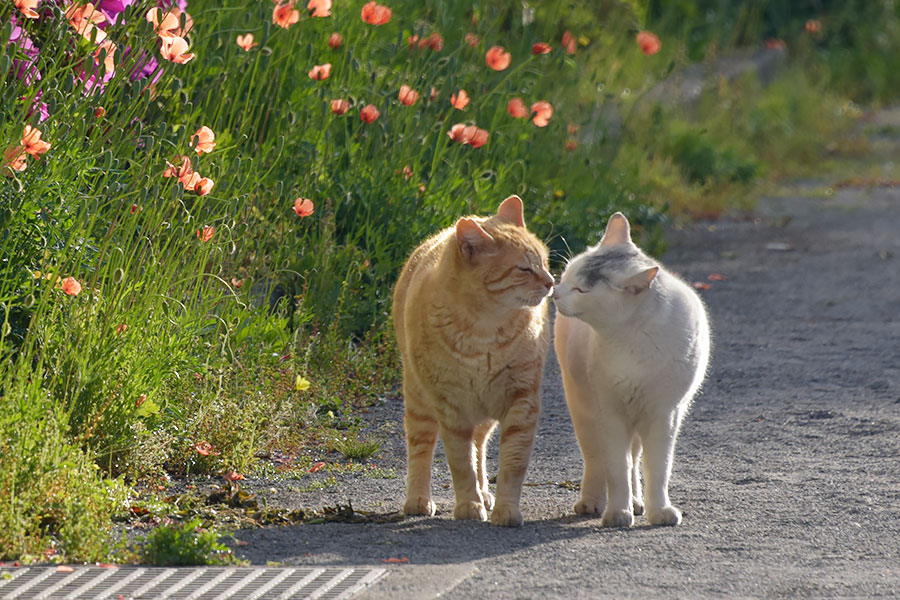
{"points": [[787, 469]]}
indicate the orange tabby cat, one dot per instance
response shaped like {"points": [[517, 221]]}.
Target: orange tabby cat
{"points": [[472, 328]]}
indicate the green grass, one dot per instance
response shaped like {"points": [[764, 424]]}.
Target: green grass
{"points": [[181, 353]]}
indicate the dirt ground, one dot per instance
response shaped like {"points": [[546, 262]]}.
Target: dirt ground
{"points": [[787, 468]]}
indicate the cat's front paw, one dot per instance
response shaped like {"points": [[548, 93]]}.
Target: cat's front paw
{"points": [[473, 511], [637, 506], [617, 518], [419, 506], [507, 515], [667, 515], [588, 507]]}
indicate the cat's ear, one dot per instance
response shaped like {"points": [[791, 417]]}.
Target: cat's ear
{"points": [[640, 282], [471, 238], [617, 231], [511, 211]]}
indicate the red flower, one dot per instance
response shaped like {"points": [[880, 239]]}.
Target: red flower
{"points": [[320, 72], [285, 15], [233, 476], [479, 138], [206, 233], [648, 42], [70, 286], [412, 40], [319, 8], [339, 106], [304, 207], [516, 108], [335, 40], [203, 186], [472, 39], [568, 41], [497, 58], [469, 135], [206, 449], [369, 113], [541, 48], [571, 145], [813, 26], [434, 42], [407, 95], [375, 14], [544, 111], [460, 101]]}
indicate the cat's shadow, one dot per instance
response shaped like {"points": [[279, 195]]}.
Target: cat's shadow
{"points": [[420, 540]]}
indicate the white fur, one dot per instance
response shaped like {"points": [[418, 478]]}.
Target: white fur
{"points": [[633, 349]]}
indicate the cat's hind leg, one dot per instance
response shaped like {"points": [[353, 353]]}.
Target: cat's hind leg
{"points": [[482, 434], [421, 437], [462, 458]]}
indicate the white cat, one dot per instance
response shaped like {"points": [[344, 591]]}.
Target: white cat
{"points": [[633, 343]]}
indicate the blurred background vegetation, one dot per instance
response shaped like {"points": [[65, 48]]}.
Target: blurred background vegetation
{"points": [[186, 355]]}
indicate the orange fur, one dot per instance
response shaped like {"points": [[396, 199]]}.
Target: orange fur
{"points": [[471, 321]]}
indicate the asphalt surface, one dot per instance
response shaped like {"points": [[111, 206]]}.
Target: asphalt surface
{"points": [[787, 469]]}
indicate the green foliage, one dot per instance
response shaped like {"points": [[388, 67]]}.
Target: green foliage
{"points": [[188, 543]]}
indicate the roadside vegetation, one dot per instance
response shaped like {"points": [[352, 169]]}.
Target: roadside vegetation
{"points": [[202, 215]]}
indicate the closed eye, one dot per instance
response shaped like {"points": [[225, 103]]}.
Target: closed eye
{"points": [[579, 290], [525, 269]]}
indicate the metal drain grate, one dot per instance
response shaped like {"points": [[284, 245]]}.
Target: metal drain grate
{"points": [[188, 583]]}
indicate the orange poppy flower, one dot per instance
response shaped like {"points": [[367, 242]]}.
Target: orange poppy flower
{"points": [[246, 42], [233, 476], [285, 15], [109, 60], [516, 108], [375, 14], [99, 112], [319, 8], [26, 7], [407, 172], [407, 95], [434, 42], [497, 58], [304, 207], [205, 234], [184, 172], [460, 101], [571, 145], [369, 113], [544, 111], [205, 140], [335, 41], [166, 25], [32, 142], [572, 128], [433, 94], [412, 40], [174, 49], [15, 160], [568, 41], [339, 106], [648, 42], [775, 44], [541, 48], [70, 286], [121, 327], [812, 25], [472, 39], [203, 186], [459, 134], [479, 138], [320, 72], [84, 18]]}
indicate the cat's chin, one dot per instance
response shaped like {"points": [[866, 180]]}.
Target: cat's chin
{"points": [[565, 311]]}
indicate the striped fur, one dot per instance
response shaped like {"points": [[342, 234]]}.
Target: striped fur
{"points": [[470, 314]]}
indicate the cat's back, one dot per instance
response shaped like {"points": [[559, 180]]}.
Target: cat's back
{"points": [[415, 276]]}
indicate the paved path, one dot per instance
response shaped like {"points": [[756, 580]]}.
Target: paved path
{"points": [[787, 469]]}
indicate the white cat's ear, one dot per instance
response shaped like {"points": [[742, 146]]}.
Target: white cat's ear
{"points": [[471, 237], [512, 211], [617, 231], [640, 282]]}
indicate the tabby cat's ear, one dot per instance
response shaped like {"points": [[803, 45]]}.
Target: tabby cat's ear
{"points": [[617, 231], [471, 238], [511, 211], [640, 282]]}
